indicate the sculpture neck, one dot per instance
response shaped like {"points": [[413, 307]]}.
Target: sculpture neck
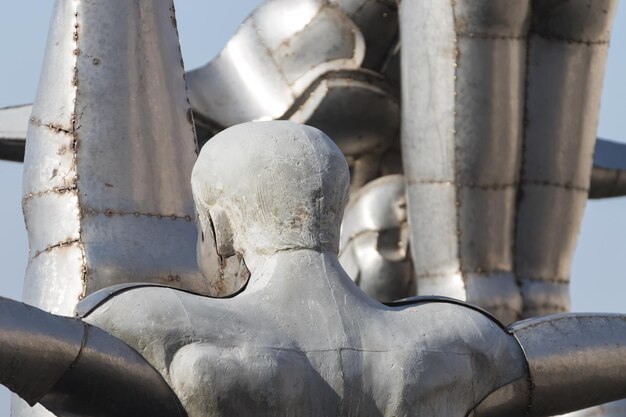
{"points": [[287, 266]]}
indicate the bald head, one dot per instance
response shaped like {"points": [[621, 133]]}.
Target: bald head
{"points": [[274, 185]]}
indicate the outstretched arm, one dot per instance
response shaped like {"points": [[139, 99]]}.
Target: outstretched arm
{"points": [[73, 368], [574, 361]]}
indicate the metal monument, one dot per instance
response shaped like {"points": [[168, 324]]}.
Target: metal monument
{"points": [[167, 282]]}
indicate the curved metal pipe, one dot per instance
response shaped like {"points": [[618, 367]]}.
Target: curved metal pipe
{"points": [[73, 368], [575, 361], [608, 177]]}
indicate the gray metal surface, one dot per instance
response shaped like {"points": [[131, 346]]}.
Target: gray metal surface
{"points": [[313, 62], [106, 190], [614, 409], [561, 114], [301, 339], [463, 89], [13, 123], [374, 247], [569, 350], [75, 369], [109, 154], [564, 352], [608, 177]]}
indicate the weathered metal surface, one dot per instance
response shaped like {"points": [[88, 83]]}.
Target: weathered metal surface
{"points": [[315, 344], [561, 114], [73, 368], [109, 154], [374, 240], [463, 66], [104, 180], [314, 62], [564, 352]]}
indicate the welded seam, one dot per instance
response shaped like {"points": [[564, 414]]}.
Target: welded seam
{"points": [[552, 307], [56, 190], [551, 280], [457, 174], [565, 185], [487, 35], [500, 186], [529, 378], [72, 364], [75, 145], [522, 170], [57, 245], [563, 39], [188, 110], [486, 273], [56, 128], [434, 275], [110, 213]]}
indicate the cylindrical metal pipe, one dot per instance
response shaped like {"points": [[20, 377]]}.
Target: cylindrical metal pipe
{"points": [[73, 368], [109, 154], [462, 93], [567, 48], [110, 148], [574, 361]]}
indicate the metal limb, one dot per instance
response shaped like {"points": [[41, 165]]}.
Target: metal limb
{"points": [[574, 361], [73, 368]]}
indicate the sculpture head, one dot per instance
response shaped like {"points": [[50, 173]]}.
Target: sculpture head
{"points": [[267, 187]]}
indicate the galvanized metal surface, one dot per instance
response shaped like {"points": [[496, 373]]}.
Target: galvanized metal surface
{"points": [[106, 194], [314, 62], [75, 369], [463, 89], [374, 247], [322, 66], [565, 38], [107, 198], [301, 339], [565, 352]]}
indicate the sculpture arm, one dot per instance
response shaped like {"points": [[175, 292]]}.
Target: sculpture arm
{"points": [[574, 361], [73, 368]]}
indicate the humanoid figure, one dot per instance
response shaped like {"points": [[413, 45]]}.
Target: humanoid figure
{"points": [[117, 229], [301, 338]]}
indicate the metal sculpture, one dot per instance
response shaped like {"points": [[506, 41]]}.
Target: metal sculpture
{"points": [[116, 185], [301, 338]]}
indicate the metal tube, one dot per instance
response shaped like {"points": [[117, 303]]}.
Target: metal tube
{"points": [[109, 154], [574, 361], [462, 93], [73, 368], [567, 48]]}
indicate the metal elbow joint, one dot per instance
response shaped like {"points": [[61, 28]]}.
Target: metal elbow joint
{"points": [[574, 361], [73, 368]]}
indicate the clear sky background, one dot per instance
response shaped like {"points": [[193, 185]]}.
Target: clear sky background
{"points": [[599, 271]]}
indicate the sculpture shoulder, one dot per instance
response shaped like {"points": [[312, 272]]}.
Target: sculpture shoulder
{"points": [[128, 312], [458, 326], [93, 301]]}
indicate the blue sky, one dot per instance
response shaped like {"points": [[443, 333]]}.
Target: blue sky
{"points": [[599, 272]]}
